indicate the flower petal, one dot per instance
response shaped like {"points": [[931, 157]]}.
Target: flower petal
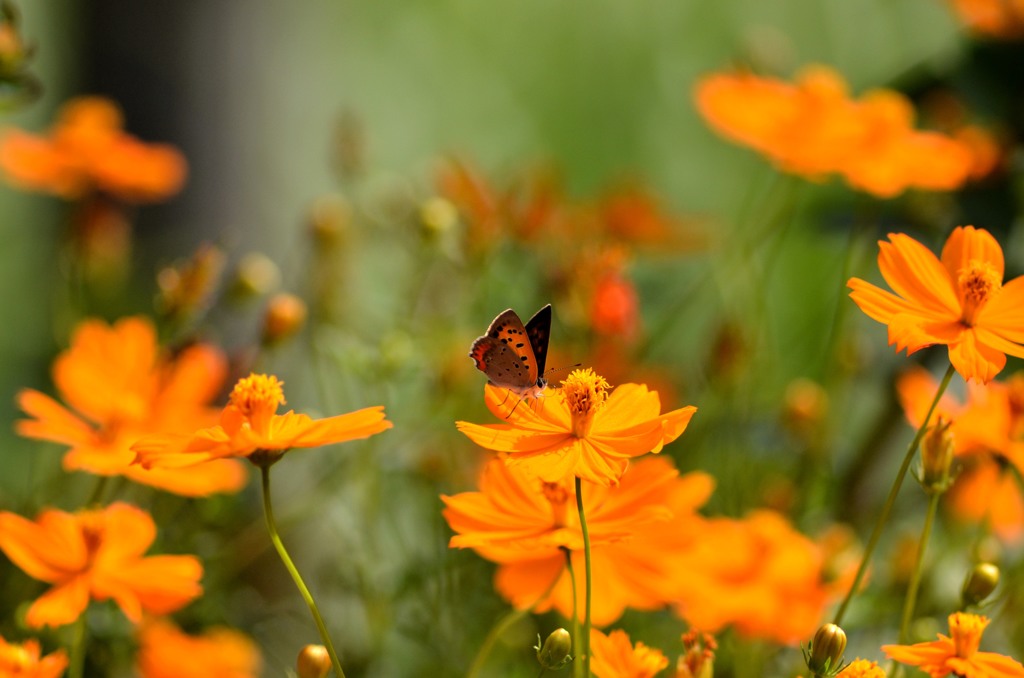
{"points": [[60, 605], [914, 273], [975, 360], [966, 244]]}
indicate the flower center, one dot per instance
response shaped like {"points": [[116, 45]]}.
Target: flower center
{"points": [[558, 495], [979, 281], [585, 392], [257, 398], [15, 658], [966, 630]]}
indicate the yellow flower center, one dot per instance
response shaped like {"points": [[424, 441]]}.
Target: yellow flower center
{"points": [[585, 392], [966, 630], [15, 658], [257, 398], [979, 281]]}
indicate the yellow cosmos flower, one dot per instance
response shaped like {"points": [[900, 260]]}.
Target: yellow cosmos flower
{"points": [[578, 429], [960, 301], [249, 427], [957, 654]]}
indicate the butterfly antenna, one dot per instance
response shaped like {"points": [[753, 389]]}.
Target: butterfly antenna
{"points": [[552, 370], [513, 407]]}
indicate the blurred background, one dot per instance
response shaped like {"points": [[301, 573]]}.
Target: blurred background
{"points": [[326, 139]]}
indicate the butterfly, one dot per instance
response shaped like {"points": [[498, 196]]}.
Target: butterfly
{"points": [[512, 355]]}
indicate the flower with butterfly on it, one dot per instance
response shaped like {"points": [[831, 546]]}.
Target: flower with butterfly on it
{"points": [[579, 429], [249, 427]]}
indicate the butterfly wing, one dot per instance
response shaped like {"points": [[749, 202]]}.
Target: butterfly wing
{"points": [[505, 354], [538, 329]]}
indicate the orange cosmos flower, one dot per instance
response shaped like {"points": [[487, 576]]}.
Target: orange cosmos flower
{"points": [[995, 18], [166, 652], [250, 428], [773, 584], [988, 436], [639, 530], [579, 429], [120, 387], [23, 661], [614, 656], [960, 301], [97, 554], [862, 668], [86, 151], [957, 654], [812, 127]]}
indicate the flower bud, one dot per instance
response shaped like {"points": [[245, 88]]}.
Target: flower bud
{"points": [[981, 581], [554, 653], [330, 219], [699, 658], [313, 662], [825, 657], [937, 456], [285, 316], [255, 275], [438, 216]]}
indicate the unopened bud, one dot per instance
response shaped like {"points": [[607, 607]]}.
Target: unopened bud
{"points": [[699, 658], [256, 275], [438, 216], [330, 218], [981, 581], [554, 653], [937, 456], [825, 657], [313, 662], [285, 316]]}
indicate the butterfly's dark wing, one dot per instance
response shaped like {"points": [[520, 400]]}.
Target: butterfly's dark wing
{"points": [[538, 329]]}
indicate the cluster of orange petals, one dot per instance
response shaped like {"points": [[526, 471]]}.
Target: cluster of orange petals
{"points": [[87, 151], [119, 387], [957, 653], [24, 660], [773, 585], [995, 18], [165, 651], [614, 656], [578, 429], [814, 128], [988, 436], [959, 301], [98, 555], [862, 668], [639, 530], [249, 425]]}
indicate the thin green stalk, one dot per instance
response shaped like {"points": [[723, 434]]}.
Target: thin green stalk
{"points": [[98, 490], [76, 666], [294, 572], [499, 629], [915, 578], [883, 518], [585, 645]]}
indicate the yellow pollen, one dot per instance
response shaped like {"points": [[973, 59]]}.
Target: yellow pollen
{"points": [[979, 281], [258, 394], [584, 393], [966, 630]]}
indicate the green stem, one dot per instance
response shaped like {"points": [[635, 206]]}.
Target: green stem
{"points": [[76, 666], [577, 661], [503, 625], [294, 572], [97, 491], [883, 518], [585, 645], [915, 578]]}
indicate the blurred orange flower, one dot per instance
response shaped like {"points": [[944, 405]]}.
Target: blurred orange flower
{"points": [[988, 435], [814, 128], [957, 653], [638, 530], [23, 661], [772, 586], [995, 18], [614, 656], [120, 387], [960, 301], [578, 429], [166, 652], [97, 554], [250, 428], [88, 151]]}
